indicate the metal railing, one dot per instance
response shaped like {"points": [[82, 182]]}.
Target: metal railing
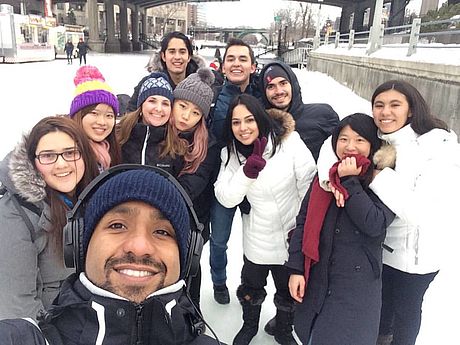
{"points": [[298, 56], [409, 36], [402, 36]]}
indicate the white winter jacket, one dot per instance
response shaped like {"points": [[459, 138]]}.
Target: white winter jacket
{"points": [[423, 192], [275, 196]]}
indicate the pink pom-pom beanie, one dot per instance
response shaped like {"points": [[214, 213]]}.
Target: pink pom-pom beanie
{"points": [[91, 88]]}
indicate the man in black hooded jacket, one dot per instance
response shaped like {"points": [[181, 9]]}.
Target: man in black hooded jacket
{"points": [[134, 244], [280, 89], [314, 122]]}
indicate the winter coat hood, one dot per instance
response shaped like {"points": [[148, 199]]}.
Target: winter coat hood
{"points": [[18, 174], [284, 120], [296, 102]]}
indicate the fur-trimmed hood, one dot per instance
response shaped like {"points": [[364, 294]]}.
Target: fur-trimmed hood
{"points": [[284, 120], [18, 174], [154, 64]]}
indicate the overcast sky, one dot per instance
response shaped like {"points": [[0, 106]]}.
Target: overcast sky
{"points": [[259, 13]]}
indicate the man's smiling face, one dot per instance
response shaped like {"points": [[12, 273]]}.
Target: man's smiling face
{"points": [[133, 252]]}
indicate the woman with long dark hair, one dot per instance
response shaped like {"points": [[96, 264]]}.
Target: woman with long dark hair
{"points": [[427, 157], [266, 165], [42, 177]]}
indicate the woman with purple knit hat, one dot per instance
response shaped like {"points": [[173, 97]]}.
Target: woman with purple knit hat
{"points": [[95, 108]]}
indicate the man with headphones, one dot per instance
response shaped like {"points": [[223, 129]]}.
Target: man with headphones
{"points": [[134, 240]]}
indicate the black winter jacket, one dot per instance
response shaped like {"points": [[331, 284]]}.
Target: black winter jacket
{"points": [[143, 147], [82, 48], [200, 184], [80, 317], [344, 287], [314, 121]]}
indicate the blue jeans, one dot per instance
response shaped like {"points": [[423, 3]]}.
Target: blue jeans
{"points": [[221, 226]]}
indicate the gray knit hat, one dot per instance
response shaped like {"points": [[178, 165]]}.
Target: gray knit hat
{"points": [[156, 84], [196, 88]]}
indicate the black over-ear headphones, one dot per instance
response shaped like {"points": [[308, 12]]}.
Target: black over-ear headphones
{"points": [[73, 230]]}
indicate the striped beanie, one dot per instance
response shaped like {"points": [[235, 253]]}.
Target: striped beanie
{"points": [[91, 88]]}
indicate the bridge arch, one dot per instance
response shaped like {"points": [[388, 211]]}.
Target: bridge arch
{"points": [[253, 32]]}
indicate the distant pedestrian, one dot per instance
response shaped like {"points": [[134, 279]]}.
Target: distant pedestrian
{"points": [[82, 49], [68, 48]]}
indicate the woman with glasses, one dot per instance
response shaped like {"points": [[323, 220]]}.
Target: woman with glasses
{"points": [[40, 181]]}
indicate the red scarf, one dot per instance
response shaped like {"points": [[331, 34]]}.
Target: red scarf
{"points": [[316, 213]]}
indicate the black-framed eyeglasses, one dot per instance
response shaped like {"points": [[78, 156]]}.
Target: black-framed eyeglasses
{"points": [[46, 158]]}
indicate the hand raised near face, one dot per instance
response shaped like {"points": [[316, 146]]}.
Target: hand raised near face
{"points": [[348, 167], [255, 162]]}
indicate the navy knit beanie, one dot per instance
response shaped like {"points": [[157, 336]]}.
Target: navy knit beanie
{"points": [[272, 72], [140, 185], [156, 84]]}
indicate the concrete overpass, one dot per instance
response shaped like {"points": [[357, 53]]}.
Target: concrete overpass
{"points": [[137, 10]]}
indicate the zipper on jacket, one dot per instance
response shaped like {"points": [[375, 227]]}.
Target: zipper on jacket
{"points": [[139, 318], [144, 147]]}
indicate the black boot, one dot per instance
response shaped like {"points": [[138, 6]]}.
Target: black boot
{"points": [[221, 294], [251, 301], [281, 325], [270, 326], [283, 328], [251, 316]]}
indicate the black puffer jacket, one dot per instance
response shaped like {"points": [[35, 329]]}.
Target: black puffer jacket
{"points": [[200, 184], [314, 121], [81, 317], [143, 147]]}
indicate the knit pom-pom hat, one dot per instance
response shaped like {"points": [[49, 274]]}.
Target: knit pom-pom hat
{"points": [[91, 88], [196, 88]]}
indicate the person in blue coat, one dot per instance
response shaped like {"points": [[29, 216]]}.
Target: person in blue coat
{"points": [[335, 254]]}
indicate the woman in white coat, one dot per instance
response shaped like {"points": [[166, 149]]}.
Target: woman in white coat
{"points": [[420, 190], [266, 166]]}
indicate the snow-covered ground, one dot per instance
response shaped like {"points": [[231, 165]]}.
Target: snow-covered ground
{"points": [[31, 91]]}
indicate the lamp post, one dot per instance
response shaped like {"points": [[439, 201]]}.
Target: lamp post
{"points": [[317, 38]]}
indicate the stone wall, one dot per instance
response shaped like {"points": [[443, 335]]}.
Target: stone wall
{"points": [[439, 84]]}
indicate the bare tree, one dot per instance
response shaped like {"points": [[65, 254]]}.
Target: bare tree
{"points": [[306, 14], [297, 21], [165, 13]]}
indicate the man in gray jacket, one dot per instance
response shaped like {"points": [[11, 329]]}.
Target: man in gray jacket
{"points": [[134, 238]]}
